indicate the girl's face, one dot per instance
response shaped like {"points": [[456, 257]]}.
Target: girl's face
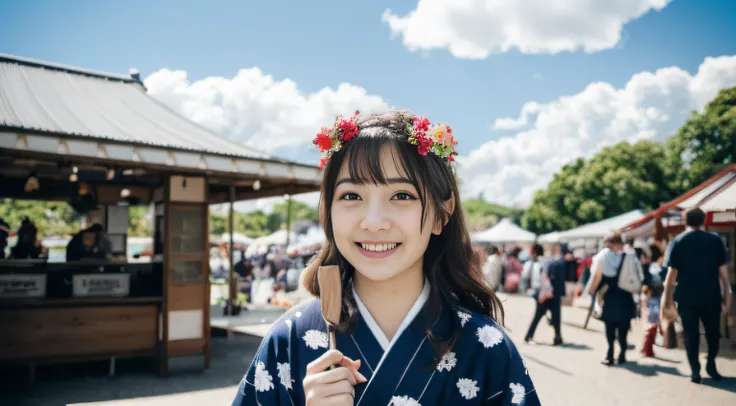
{"points": [[378, 228]]}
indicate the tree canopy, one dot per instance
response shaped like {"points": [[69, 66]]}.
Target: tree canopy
{"points": [[619, 179], [480, 215], [625, 177]]}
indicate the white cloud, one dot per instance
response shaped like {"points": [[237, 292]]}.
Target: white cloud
{"points": [[257, 109], [528, 113], [510, 170], [474, 29], [260, 111]]}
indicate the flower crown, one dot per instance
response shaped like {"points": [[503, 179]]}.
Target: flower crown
{"points": [[434, 138]]}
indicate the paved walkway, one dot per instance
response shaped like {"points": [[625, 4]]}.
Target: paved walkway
{"points": [[570, 375]]}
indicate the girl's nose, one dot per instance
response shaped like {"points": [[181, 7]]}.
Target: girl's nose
{"points": [[375, 219]]}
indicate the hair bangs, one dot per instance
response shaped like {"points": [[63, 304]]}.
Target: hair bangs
{"points": [[363, 159]]}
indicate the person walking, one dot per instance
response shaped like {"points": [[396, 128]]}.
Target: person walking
{"points": [[654, 276], [512, 271], [697, 280], [493, 268], [618, 305], [548, 281]]}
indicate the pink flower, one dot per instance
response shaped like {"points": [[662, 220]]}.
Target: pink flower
{"points": [[323, 140], [421, 124], [322, 163], [424, 144]]}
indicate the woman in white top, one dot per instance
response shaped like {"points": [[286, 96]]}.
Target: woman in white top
{"points": [[618, 305], [493, 268]]}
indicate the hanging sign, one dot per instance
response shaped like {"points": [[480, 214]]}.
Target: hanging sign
{"points": [[114, 285], [22, 286]]}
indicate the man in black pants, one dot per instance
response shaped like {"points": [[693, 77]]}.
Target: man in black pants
{"points": [[697, 272], [554, 268]]}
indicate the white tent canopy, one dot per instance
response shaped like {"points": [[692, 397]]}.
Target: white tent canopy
{"points": [[238, 238], [313, 236], [260, 245], [277, 238], [549, 238], [601, 228], [503, 232]]}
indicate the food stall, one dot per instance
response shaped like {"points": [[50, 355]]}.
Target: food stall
{"points": [[100, 143], [717, 198]]}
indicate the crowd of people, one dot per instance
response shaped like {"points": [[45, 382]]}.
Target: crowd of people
{"points": [[627, 283]]}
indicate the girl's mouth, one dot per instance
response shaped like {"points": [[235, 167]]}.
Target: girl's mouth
{"points": [[377, 250]]}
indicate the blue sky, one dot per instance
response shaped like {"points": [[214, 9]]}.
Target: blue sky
{"points": [[322, 44]]}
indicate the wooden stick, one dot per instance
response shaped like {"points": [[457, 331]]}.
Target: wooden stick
{"points": [[330, 296]]}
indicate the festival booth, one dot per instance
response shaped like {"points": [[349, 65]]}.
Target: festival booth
{"points": [[586, 239], [583, 242], [716, 197], [99, 142]]}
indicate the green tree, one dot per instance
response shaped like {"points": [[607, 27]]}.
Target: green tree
{"points": [[51, 218], [299, 211], [139, 221], [480, 215], [253, 224], [619, 179], [706, 142], [257, 223]]}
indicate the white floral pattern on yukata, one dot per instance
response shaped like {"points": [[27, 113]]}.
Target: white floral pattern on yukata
{"points": [[285, 374], [448, 362], [489, 336], [288, 323], [468, 388], [518, 392], [315, 339], [464, 317], [263, 380], [403, 401]]}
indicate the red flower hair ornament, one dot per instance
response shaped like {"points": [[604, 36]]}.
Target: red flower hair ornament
{"points": [[428, 137]]}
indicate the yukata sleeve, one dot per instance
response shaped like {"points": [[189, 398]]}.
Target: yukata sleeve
{"points": [[516, 388], [268, 380]]}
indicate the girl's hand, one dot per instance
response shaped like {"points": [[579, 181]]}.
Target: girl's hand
{"points": [[323, 387]]}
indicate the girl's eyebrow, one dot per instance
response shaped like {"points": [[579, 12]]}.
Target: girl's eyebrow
{"points": [[390, 181]]}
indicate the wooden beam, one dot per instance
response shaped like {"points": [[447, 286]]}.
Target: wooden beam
{"points": [[278, 190]]}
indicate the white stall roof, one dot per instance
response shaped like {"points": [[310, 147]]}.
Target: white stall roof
{"points": [[601, 228], [504, 231]]}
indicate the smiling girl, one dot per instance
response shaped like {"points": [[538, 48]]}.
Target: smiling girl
{"points": [[417, 326]]}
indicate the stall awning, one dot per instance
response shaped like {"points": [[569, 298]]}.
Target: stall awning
{"points": [[55, 109], [723, 200], [601, 228]]}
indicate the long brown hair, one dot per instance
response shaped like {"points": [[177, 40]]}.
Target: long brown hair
{"points": [[450, 265]]}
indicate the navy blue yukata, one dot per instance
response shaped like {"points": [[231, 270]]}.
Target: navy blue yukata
{"points": [[483, 368]]}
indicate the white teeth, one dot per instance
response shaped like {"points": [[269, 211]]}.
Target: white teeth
{"points": [[378, 247]]}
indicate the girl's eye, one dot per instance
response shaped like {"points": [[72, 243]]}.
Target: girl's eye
{"points": [[349, 196], [403, 196]]}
